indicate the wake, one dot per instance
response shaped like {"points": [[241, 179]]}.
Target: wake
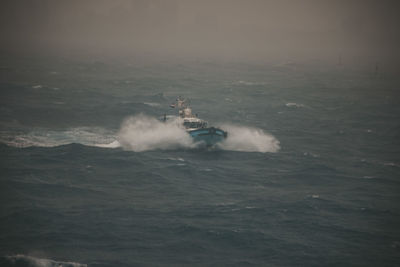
{"points": [[23, 260], [144, 133], [40, 137]]}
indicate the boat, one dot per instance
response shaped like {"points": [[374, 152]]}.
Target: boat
{"points": [[197, 128]]}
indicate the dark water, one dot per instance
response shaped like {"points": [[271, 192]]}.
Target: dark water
{"points": [[311, 180]]}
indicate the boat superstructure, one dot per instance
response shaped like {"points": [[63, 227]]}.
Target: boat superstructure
{"points": [[197, 128]]}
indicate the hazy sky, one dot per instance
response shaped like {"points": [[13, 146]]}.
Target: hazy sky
{"points": [[284, 30]]}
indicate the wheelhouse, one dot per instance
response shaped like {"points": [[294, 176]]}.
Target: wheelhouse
{"points": [[191, 124]]}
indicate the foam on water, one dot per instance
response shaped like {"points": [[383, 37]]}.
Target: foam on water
{"points": [[23, 260], [51, 138]]}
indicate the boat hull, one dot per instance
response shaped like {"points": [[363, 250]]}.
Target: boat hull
{"points": [[208, 136]]}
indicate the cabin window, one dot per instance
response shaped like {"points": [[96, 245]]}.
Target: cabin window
{"points": [[188, 124]]}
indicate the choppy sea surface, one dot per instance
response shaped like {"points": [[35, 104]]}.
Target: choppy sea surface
{"points": [[309, 174]]}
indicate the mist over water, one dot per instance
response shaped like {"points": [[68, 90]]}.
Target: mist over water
{"points": [[358, 32]]}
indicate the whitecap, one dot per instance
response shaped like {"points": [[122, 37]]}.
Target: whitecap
{"points": [[293, 104], [151, 104], [391, 164], [311, 154], [113, 144], [176, 159], [247, 83], [244, 82]]}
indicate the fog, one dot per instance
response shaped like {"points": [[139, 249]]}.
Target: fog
{"points": [[352, 32]]}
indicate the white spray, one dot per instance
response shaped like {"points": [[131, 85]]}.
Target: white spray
{"points": [[142, 133], [248, 139]]}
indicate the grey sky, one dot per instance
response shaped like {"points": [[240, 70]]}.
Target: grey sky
{"points": [[258, 30]]}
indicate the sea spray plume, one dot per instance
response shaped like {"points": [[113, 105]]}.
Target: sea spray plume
{"points": [[141, 133], [248, 139]]}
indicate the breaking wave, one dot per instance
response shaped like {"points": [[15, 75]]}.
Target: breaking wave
{"points": [[28, 261], [143, 133]]}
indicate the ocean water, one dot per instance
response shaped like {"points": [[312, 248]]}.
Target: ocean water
{"points": [[309, 174]]}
